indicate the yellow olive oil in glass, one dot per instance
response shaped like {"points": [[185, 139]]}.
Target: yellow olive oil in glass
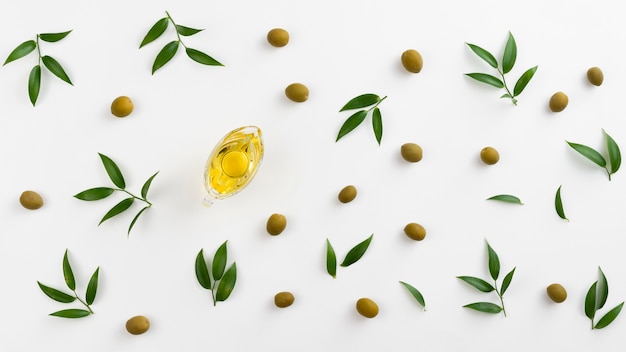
{"points": [[233, 163]]}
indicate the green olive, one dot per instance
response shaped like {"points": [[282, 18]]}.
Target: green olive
{"points": [[366, 307], [557, 293], [276, 224], [297, 92], [137, 325], [283, 299], [412, 61], [411, 152], [31, 200], [347, 194], [489, 155], [595, 76], [278, 37], [558, 102], [415, 231]]}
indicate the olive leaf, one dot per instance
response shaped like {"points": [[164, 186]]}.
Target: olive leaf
{"points": [[484, 54], [377, 124], [609, 316], [223, 282], [523, 81], [589, 153], [510, 54], [226, 284], [477, 283], [219, 262], [55, 67], [96, 193], [155, 31], [363, 101], [113, 171], [34, 84], [595, 300], [507, 198], [331, 260], [146, 186], [117, 209], [22, 50], [415, 293], [165, 55], [71, 313], [485, 307], [187, 31], [357, 252], [488, 79], [614, 158], [68, 274], [200, 57], [53, 37], [558, 204], [202, 271], [351, 123], [92, 287], [494, 263], [55, 294], [507, 281], [590, 302]]}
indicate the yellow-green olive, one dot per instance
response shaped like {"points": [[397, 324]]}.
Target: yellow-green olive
{"points": [[297, 92], [558, 102], [278, 37], [137, 325], [412, 61], [276, 224], [283, 299], [31, 200], [411, 152], [489, 155], [366, 307], [557, 293], [415, 231], [347, 194], [595, 76]]}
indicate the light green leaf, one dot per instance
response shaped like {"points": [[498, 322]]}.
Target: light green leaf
{"points": [[117, 209], [507, 198], [377, 124], [415, 293], [53, 37], [361, 101], [95, 193], [68, 274], [34, 84], [22, 50], [227, 283], [494, 262], [484, 307], [55, 294], [602, 290], [615, 157], [589, 153], [71, 313], [609, 317], [113, 171], [331, 260], [187, 31], [558, 204], [165, 55], [219, 262], [55, 67], [132, 223], [507, 281], [523, 81], [486, 78], [351, 123], [146, 186], [92, 287], [200, 57], [202, 271], [506, 95], [477, 283], [484, 54], [590, 301], [356, 252], [157, 29], [510, 54]]}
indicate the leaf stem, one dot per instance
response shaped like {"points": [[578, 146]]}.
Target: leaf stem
{"points": [[608, 172], [495, 285], [376, 105], [176, 30], [83, 302], [213, 293], [38, 50], [507, 89], [134, 196]]}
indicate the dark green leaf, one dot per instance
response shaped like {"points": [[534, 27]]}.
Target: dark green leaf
{"points": [[484, 307], [477, 283], [615, 157], [486, 78], [590, 301], [609, 317], [165, 55], [113, 171], [55, 67], [484, 54], [187, 31], [132, 223], [510, 54], [415, 293], [226, 285], [53, 37], [361, 101], [92, 287], [377, 124], [331, 260], [602, 290], [22, 50], [202, 271], [589, 153], [219, 262], [117, 209], [34, 83], [558, 204], [507, 281], [494, 262], [199, 56], [68, 274], [523, 80], [55, 294], [71, 313], [146, 186], [351, 123], [357, 252], [95, 193], [507, 198], [157, 29]]}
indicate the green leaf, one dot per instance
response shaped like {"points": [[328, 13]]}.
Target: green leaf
{"points": [[187, 31], [377, 124], [68, 274], [202, 271], [484, 307], [132, 223], [510, 54], [226, 285], [165, 55], [157, 29], [95, 193], [22, 50], [146, 186], [199, 56], [55, 294], [558, 204], [34, 83], [477, 283], [589, 153], [351, 123], [506, 95], [415, 293], [484, 54], [331, 260], [71, 313], [55, 67], [361, 101], [486, 78], [590, 301], [357, 252], [494, 262], [609, 317], [219, 262], [523, 80], [113, 171], [92, 287], [53, 37], [506, 282], [507, 198], [117, 209], [602, 290], [615, 157]]}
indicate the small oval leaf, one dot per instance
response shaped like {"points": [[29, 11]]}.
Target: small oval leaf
{"points": [[55, 294], [187, 31], [219, 262], [92, 287], [510, 54], [34, 84], [202, 271], [351, 123], [55, 67], [523, 81], [507, 198], [227, 284], [506, 282], [113, 171], [200, 57], [558, 204], [331, 260], [71, 313], [361, 101], [117, 209], [377, 124], [21, 50], [589, 153], [494, 262], [357, 252], [95, 193], [602, 290], [165, 55], [485, 307], [68, 274], [157, 29], [415, 293], [477, 283], [609, 317], [484, 54], [615, 157], [486, 78], [590, 301], [146, 186], [53, 37]]}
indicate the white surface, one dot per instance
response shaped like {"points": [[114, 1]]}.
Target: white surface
{"points": [[339, 50]]}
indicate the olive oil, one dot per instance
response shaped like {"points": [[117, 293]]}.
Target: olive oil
{"points": [[233, 163]]}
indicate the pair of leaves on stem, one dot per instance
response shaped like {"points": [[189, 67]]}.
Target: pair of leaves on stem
{"points": [[503, 67], [614, 158], [363, 101], [117, 178], [70, 282], [595, 299], [352, 256], [215, 277], [34, 78], [484, 286], [170, 49]]}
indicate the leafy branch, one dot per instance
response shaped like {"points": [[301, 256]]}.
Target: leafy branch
{"points": [[117, 178], [352, 256], [614, 159], [503, 67], [34, 78], [217, 279], [595, 300], [63, 297], [363, 101], [170, 49]]}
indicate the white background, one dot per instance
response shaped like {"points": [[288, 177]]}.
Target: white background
{"points": [[339, 50]]}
